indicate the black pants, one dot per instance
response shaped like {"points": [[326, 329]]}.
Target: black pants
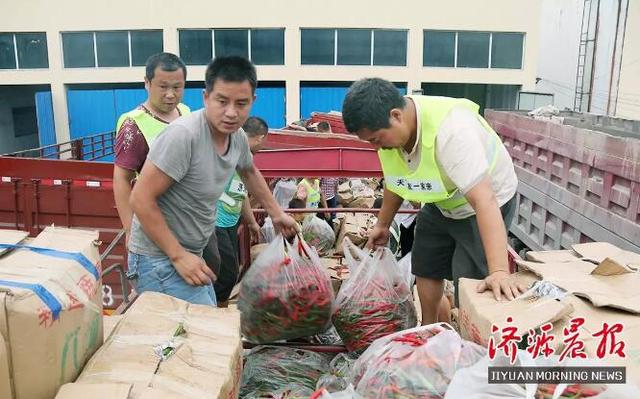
{"points": [[406, 238], [221, 255]]}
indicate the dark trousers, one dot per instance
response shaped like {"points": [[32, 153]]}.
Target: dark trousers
{"points": [[221, 255]]}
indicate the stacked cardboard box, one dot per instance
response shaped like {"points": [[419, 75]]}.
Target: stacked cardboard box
{"points": [[166, 348], [50, 310], [601, 282]]}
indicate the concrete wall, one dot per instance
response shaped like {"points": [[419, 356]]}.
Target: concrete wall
{"points": [[628, 101], [415, 15], [11, 97], [558, 52], [615, 85]]}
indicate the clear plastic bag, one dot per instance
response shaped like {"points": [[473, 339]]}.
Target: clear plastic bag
{"points": [[318, 234], [416, 363], [268, 231], [337, 379], [284, 191], [405, 267], [348, 393], [375, 301], [270, 370], [285, 294]]}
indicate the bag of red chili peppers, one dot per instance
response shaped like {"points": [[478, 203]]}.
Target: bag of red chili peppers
{"points": [[375, 301], [285, 294], [415, 363]]}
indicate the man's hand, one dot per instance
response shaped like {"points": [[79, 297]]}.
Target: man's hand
{"points": [[285, 224], [193, 269], [379, 237], [254, 231], [501, 282]]}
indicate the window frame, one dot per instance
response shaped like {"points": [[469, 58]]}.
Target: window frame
{"points": [[95, 46], [372, 32], [490, 50], [248, 32], [16, 57]]}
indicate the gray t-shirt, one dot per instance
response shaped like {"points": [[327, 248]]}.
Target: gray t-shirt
{"points": [[185, 152]]}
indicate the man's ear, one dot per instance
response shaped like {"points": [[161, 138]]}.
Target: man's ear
{"points": [[396, 116]]}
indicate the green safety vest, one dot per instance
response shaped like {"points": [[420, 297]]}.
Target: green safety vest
{"points": [[425, 184], [313, 193], [148, 125]]}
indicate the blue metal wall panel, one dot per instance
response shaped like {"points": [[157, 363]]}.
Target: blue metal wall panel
{"points": [[46, 124], [91, 112], [321, 99], [325, 99], [270, 106], [128, 99], [193, 99]]}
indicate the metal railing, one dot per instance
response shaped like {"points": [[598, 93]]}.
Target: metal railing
{"points": [[117, 267], [88, 148]]}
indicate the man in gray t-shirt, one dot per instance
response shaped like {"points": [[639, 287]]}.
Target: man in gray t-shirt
{"points": [[186, 171]]}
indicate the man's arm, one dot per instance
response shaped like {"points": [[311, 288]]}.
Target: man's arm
{"points": [[150, 185], [259, 189], [122, 191], [250, 220], [493, 234]]}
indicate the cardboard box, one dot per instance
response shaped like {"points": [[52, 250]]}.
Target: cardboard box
{"points": [[362, 202], [50, 312], [337, 271], [206, 363], [566, 255], [356, 227], [478, 312], [603, 285]]}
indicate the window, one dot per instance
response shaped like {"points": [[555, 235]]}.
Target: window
{"points": [[318, 46], [439, 48], [473, 49], [354, 47], [23, 50], [144, 44], [231, 42], [7, 51], [78, 50], [262, 46], [389, 47], [113, 49], [110, 48], [267, 46], [196, 46], [506, 50]]}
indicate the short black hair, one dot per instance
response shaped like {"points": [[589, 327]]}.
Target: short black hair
{"points": [[255, 126], [167, 62], [297, 203], [368, 104], [230, 69], [377, 204]]}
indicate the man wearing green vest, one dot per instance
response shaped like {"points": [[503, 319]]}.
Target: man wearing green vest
{"points": [[439, 151], [165, 76], [232, 204]]}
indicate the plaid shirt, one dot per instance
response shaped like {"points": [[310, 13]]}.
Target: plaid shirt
{"points": [[329, 187]]}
